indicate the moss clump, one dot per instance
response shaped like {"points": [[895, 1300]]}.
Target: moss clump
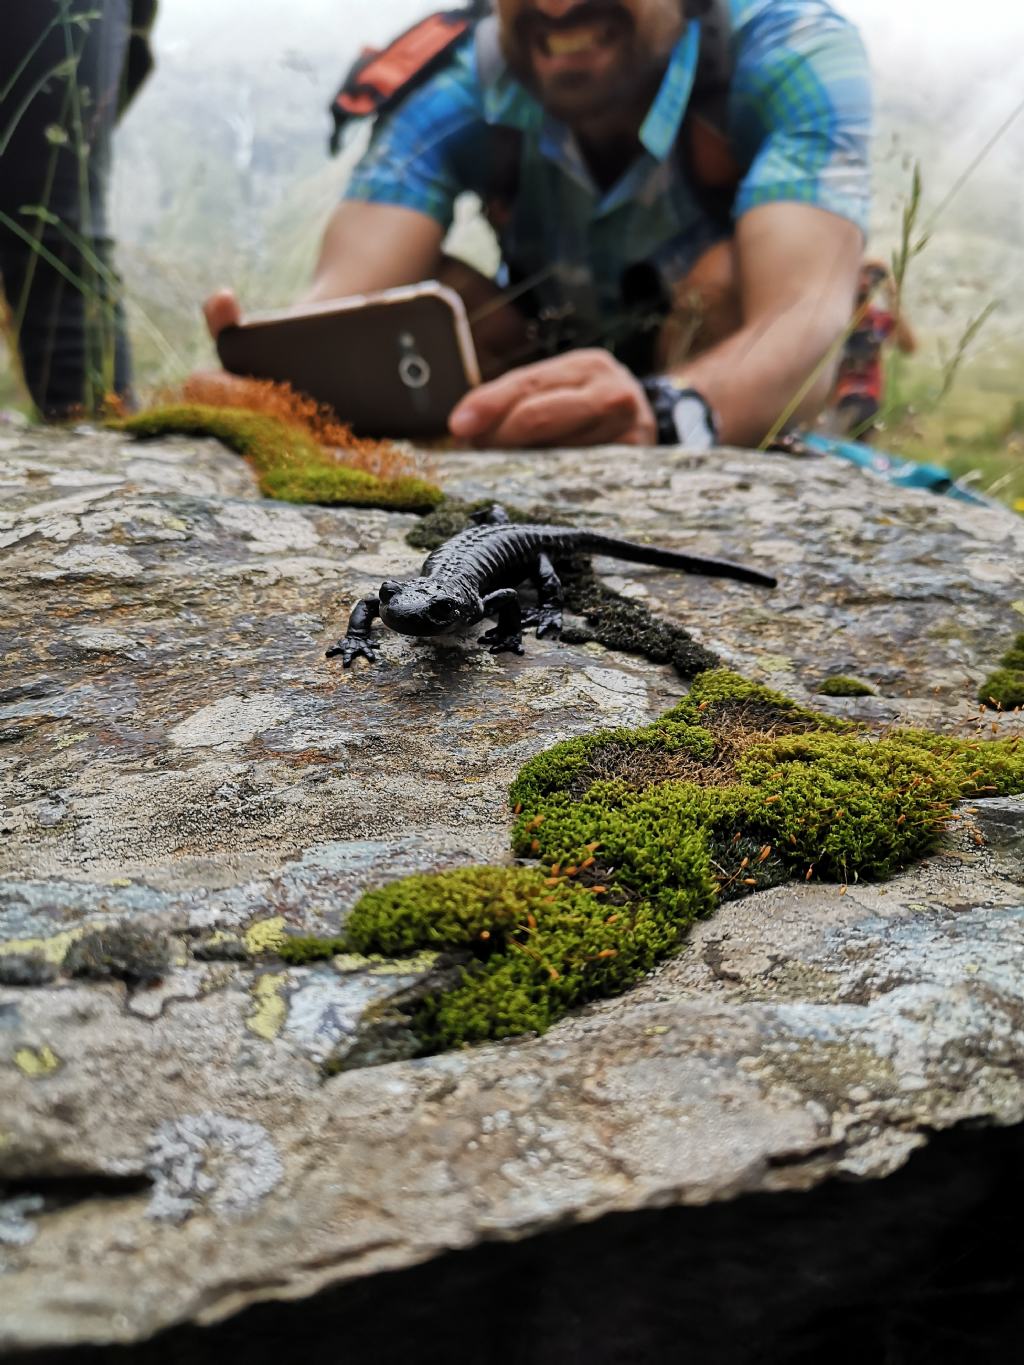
{"points": [[1003, 690], [26, 969], [637, 833], [541, 943], [845, 687], [302, 949], [290, 464], [617, 622], [129, 952]]}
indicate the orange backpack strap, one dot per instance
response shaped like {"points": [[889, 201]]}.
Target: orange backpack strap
{"points": [[382, 77]]}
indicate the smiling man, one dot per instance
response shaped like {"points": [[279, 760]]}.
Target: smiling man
{"points": [[680, 190]]}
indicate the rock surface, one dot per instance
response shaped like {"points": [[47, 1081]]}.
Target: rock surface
{"points": [[177, 755]]}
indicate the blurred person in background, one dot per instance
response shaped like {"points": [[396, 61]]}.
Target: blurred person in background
{"points": [[68, 69], [680, 189], [860, 384]]}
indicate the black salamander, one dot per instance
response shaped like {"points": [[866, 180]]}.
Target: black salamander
{"points": [[477, 572]]}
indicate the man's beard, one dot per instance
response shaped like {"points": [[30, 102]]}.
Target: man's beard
{"points": [[613, 68]]}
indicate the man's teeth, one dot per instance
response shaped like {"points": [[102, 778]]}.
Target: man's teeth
{"points": [[574, 40]]}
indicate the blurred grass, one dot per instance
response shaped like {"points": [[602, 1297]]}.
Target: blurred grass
{"points": [[976, 430]]}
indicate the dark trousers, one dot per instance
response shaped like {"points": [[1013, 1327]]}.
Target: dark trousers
{"points": [[61, 88]]}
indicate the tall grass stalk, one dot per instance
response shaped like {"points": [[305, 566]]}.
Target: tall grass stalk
{"points": [[951, 367]]}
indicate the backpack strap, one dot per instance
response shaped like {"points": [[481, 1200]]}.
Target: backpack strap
{"points": [[703, 147], [381, 78]]}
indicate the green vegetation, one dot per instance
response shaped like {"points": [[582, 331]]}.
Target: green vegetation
{"points": [[289, 464], [302, 949], [845, 687], [636, 833], [976, 431], [1003, 690]]}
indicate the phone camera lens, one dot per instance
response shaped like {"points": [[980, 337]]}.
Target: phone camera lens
{"points": [[414, 371]]}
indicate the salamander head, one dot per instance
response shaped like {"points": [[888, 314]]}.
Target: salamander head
{"points": [[423, 607]]}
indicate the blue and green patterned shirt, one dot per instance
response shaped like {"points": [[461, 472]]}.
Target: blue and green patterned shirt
{"points": [[799, 124]]}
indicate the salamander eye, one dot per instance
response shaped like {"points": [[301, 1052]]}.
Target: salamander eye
{"points": [[442, 611], [388, 589]]}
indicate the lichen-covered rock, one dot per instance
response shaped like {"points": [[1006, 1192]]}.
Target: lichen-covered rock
{"points": [[131, 952], [176, 753]]}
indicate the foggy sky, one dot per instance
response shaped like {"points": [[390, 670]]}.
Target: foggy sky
{"points": [[912, 33], [975, 50]]}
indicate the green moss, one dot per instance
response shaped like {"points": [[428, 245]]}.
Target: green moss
{"points": [[721, 690], [845, 687], [542, 944], [302, 949], [290, 465], [634, 834], [980, 768], [1003, 690]]}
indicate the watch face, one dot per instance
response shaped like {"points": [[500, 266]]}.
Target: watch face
{"points": [[691, 422]]}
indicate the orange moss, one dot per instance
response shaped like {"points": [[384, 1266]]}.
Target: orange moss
{"points": [[381, 458]]}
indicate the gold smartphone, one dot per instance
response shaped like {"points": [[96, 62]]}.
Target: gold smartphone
{"points": [[392, 363]]}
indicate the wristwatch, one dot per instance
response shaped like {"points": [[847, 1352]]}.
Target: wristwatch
{"points": [[684, 416]]}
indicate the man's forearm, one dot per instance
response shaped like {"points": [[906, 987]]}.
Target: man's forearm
{"points": [[773, 369], [367, 247]]}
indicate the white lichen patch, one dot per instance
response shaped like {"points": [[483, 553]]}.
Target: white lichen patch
{"points": [[94, 561], [210, 1162], [626, 587], [612, 694], [230, 721], [268, 530], [92, 640], [16, 1229]]}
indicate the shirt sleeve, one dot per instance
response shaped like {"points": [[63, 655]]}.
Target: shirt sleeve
{"points": [[801, 110], [417, 154]]}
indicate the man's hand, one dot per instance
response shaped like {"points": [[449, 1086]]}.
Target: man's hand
{"points": [[585, 398]]}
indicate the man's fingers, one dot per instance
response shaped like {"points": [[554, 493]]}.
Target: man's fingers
{"points": [[482, 412], [221, 310], [565, 416]]}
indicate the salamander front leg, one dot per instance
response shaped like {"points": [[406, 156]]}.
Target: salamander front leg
{"points": [[357, 639], [507, 635], [549, 598]]}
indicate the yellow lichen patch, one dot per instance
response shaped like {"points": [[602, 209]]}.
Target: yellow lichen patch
{"points": [[376, 965], [70, 740], [37, 1064], [265, 936], [270, 1009], [52, 949]]}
